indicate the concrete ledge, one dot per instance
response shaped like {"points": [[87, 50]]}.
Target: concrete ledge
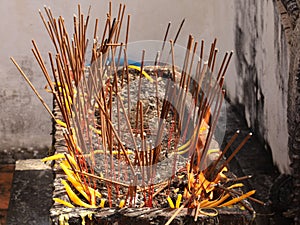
{"points": [[146, 216], [31, 164], [31, 195]]}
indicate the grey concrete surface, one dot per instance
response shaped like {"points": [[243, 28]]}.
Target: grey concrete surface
{"points": [[31, 195]]}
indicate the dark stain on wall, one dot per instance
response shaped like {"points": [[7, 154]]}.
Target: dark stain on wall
{"points": [[259, 75], [246, 53]]}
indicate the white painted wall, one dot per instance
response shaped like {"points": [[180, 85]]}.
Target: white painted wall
{"points": [[261, 80]]}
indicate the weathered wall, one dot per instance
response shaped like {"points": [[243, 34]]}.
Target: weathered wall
{"points": [[261, 82]]}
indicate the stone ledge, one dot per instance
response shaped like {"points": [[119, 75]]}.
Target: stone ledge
{"points": [[146, 216], [31, 164], [31, 194]]}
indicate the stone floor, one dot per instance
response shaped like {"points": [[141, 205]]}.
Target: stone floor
{"points": [[254, 159], [31, 193]]}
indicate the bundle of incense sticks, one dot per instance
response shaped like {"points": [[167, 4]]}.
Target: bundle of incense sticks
{"points": [[94, 95]]}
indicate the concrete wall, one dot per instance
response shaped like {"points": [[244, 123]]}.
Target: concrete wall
{"points": [[256, 77], [260, 84]]}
